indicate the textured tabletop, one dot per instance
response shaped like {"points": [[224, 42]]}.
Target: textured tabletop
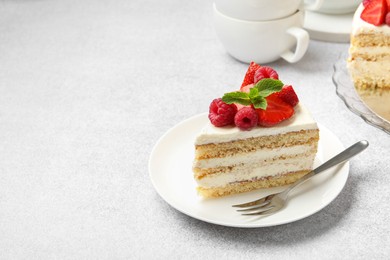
{"points": [[86, 90]]}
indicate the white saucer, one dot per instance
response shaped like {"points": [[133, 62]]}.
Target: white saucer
{"points": [[170, 171], [329, 28]]}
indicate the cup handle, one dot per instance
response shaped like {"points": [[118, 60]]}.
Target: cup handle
{"points": [[302, 38], [313, 5]]}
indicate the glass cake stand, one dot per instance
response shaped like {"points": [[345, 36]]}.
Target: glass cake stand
{"points": [[372, 108]]}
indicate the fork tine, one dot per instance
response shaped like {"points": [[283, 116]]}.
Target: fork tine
{"points": [[264, 211], [253, 203], [262, 205]]}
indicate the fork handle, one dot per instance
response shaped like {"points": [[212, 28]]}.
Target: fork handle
{"points": [[343, 156], [339, 158]]}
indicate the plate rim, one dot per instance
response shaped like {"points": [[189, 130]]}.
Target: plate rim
{"points": [[256, 224]]}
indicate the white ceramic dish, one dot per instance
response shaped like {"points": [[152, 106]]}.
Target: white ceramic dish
{"points": [[263, 41], [171, 174], [337, 6], [263, 10], [327, 27]]}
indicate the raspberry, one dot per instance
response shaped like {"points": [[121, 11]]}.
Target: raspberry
{"points": [[221, 114], [265, 72], [246, 118], [288, 95], [387, 19]]}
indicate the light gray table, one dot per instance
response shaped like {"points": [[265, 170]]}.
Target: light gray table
{"points": [[86, 90]]}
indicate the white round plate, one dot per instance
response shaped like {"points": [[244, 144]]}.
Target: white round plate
{"points": [[170, 168], [329, 28]]}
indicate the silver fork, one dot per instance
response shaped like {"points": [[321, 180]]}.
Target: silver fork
{"points": [[274, 202]]}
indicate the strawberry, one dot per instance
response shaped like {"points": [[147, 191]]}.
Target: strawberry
{"points": [[387, 16], [387, 19], [375, 11], [246, 88], [288, 95], [250, 73], [276, 112], [366, 2]]}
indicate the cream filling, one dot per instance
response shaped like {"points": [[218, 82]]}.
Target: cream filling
{"points": [[301, 120], [363, 69], [371, 51], [253, 172], [260, 155]]}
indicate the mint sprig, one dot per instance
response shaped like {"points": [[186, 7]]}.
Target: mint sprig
{"points": [[237, 97], [268, 86], [256, 95]]}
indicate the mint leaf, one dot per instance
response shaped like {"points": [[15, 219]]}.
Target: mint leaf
{"points": [[268, 86], [259, 102], [257, 94], [253, 92], [237, 97]]}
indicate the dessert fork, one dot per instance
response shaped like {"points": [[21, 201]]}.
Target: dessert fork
{"points": [[272, 203]]}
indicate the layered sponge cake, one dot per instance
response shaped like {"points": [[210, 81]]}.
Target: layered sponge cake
{"points": [[369, 53], [248, 145], [230, 161]]}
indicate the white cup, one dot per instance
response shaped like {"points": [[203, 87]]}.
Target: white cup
{"points": [[262, 10], [263, 41], [337, 6]]}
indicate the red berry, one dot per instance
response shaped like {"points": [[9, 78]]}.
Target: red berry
{"points": [[387, 19], [246, 88], [246, 118], [265, 72], [239, 106], [276, 112], [366, 2], [221, 114], [375, 11], [250, 73], [288, 95]]}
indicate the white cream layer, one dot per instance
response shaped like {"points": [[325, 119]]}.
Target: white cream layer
{"points": [[371, 51], [359, 26], [301, 120], [361, 69], [253, 172], [257, 156]]}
